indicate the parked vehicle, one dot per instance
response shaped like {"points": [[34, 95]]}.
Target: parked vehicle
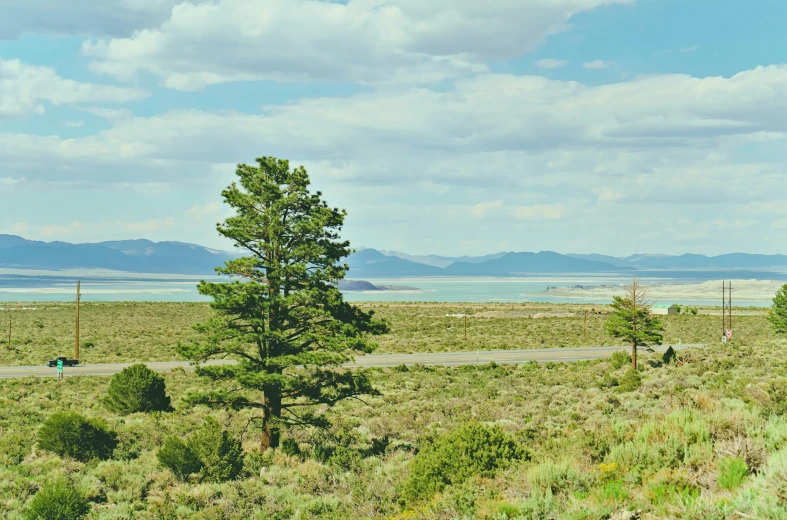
{"points": [[66, 362]]}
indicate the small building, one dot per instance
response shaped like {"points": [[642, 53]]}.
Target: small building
{"points": [[665, 309]]}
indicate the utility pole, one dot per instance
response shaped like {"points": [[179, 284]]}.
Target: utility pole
{"points": [[76, 334], [465, 327], [723, 310], [585, 326], [730, 308], [9, 332]]}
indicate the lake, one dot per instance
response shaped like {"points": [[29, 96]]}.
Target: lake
{"points": [[96, 286]]}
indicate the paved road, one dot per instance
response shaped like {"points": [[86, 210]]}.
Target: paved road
{"points": [[501, 357]]}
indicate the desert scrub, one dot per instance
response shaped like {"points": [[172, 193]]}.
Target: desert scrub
{"points": [[72, 435], [652, 449], [58, 501], [137, 389], [114, 332], [473, 449]]}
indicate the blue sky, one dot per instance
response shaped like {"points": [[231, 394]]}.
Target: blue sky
{"points": [[452, 127]]}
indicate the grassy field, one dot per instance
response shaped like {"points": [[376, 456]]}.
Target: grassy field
{"points": [[123, 332], [594, 450]]}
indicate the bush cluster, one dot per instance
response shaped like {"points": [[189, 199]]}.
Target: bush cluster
{"points": [[211, 451], [137, 389], [473, 449], [58, 501], [70, 434]]}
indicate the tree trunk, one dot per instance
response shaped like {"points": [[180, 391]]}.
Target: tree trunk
{"points": [[270, 434], [634, 356]]}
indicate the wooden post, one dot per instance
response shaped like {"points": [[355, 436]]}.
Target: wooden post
{"points": [[465, 327], [76, 333], [730, 306], [9, 332]]}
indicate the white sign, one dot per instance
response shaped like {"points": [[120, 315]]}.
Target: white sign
{"points": [[724, 339]]}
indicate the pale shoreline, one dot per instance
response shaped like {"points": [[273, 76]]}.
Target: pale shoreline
{"points": [[710, 291]]}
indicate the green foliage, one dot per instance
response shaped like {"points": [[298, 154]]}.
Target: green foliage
{"points": [[732, 471], [137, 389], [72, 435], [290, 447], [778, 314], [633, 321], [288, 312], [619, 359], [220, 454], [678, 308], [473, 449], [179, 458], [58, 501], [668, 356], [630, 381]]}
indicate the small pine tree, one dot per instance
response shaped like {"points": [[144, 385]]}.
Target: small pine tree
{"points": [[70, 434], [633, 321], [179, 458], [137, 389], [778, 313], [220, 454], [58, 501]]}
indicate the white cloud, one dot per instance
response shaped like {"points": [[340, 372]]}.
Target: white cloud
{"points": [[483, 208], [364, 41], [779, 223], [206, 210], [58, 230], [540, 211], [598, 64], [147, 225], [690, 49], [73, 124], [110, 114], [24, 88], [670, 139], [82, 17], [550, 63], [608, 194]]}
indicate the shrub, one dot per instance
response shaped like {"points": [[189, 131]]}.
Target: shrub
{"points": [[59, 501], [669, 356], [137, 389], [220, 454], [179, 458], [619, 359], [290, 447], [630, 381], [71, 435], [471, 450], [732, 471]]}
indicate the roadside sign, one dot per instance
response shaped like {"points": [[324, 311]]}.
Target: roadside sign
{"points": [[59, 368], [729, 334], [724, 339]]}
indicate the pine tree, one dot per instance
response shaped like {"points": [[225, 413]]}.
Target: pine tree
{"points": [[281, 316], [778, 313], [633, 321]]}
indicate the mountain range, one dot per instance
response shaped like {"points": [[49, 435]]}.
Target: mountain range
{"points": [[145, 256]]}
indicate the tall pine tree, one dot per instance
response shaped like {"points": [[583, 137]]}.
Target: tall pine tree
{"points": [[633, 321], [281, 315]]}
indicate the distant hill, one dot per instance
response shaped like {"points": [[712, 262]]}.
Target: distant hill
{"points": [[138, 256], [370, 263], [442, 261], [512, 264], [693, 261], [169, 257]]}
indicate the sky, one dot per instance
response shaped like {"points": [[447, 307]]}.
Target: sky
{"points": [[450, 126]]}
